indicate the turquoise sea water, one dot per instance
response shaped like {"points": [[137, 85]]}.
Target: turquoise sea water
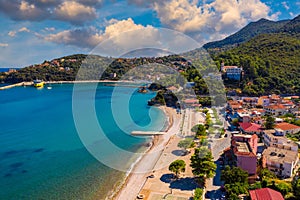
{"points": [[41, 154]]}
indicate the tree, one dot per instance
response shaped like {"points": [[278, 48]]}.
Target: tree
{"points": [[177, 166], [270, 123], [296, 187], [266, 174], [234, 175], [200, 130], [236, 181], [198, 194], [186, 143], [202, 163], [283, 187], [235, 122]]}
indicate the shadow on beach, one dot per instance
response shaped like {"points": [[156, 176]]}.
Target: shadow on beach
{"points": [[179, 152], [181, 183], [184, 184]]}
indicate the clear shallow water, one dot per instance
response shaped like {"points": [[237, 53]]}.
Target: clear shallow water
{"points": [[41, 155]]}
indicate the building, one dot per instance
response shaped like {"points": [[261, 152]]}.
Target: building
{"points": [[287, 128], [276, 110], [243, 115], [244, 148], [234, 105], [271, 139], [172, 89], [263, 101], [280, 161], [250, 128], [250, 102], [232, 72], [265, 194]]}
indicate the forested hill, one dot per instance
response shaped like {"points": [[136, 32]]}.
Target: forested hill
{"points": [[270, 61], [250, 31], [292, 27], [271, 64]]}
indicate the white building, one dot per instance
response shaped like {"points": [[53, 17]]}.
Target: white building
{"points": [[232, 72], [270, 139], [280, 161]]}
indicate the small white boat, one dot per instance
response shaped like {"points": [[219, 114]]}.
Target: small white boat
{"points": [[49, 87]]}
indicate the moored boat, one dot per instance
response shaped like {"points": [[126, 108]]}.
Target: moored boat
{"points": [[38, 83]]}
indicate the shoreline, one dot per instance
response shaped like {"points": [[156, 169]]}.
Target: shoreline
{"points": [[135, 180], [30, 83], [89, 81]]}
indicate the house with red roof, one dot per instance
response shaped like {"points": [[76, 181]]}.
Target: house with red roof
{"points": [[250, 128], [265, 194], [276, 110], [234, 105], [287, 128]]}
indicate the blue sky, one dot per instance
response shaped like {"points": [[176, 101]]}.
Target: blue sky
{"points": [[36, 30]]}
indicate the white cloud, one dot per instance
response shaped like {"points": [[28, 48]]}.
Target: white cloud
{"points": [[50, 29], [84, 38], [24, 29], [217, 18], [285, 5], [14, 33], [91, 37], [3, 45], [75, 12], [23, 10], [124, 36]]}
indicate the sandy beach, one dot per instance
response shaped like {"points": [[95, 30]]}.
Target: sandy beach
{"points": [[148, 163]]}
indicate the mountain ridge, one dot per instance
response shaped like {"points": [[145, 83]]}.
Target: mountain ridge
{"points": [[246, 33]]}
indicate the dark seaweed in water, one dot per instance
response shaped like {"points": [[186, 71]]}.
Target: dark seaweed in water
{"points": [[16, 165], [38, 150]]}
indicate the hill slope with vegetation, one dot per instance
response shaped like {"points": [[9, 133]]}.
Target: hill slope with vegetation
{"points": [[250, 31], [270, 61]]}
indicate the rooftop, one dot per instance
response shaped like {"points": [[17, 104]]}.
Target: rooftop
{"points": [[250, 126], [242, 147], [265, 194], [280, 155], [242, 135], [281, 139], [275, 107], [286, 126]]}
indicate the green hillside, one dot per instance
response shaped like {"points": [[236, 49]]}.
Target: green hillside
{"points": [[270, 61], [253, 29]]}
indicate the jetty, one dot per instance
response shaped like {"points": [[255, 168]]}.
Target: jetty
{"points": [[16, 85], [147, 133]]}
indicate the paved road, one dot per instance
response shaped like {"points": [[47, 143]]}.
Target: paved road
{"points": [[191, 118], [217, 147]]}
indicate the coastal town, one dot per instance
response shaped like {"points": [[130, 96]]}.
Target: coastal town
{"points": [[150, 100], [249, 147]]}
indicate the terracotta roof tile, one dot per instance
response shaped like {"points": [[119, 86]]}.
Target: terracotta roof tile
{"points": [[265, 194], [286, 126]]}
